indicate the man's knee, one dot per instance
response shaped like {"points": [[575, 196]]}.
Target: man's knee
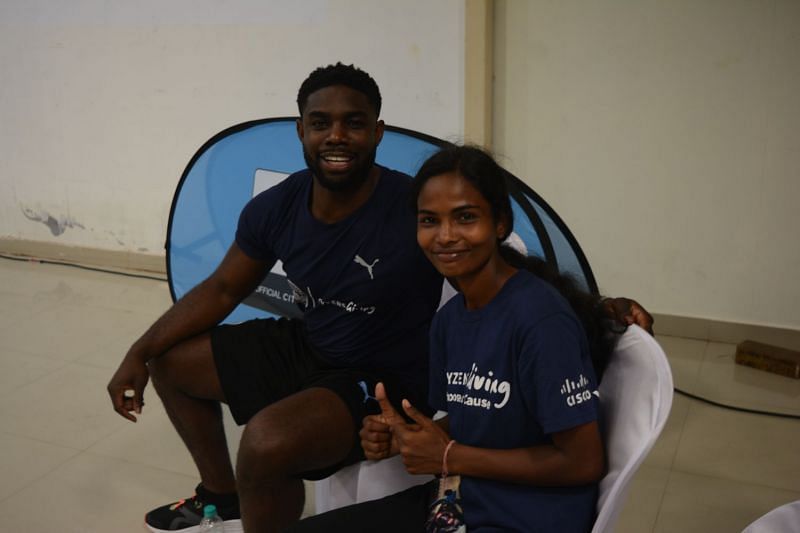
{"points": [[308, 431], [160, 371], [159, 368], [264, 455], [167, 366]]}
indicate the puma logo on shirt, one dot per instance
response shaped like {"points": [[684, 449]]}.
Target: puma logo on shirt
{"points": [[359, 260]]}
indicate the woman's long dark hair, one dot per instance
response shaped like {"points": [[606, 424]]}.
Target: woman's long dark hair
{"points": [[480, 169]]}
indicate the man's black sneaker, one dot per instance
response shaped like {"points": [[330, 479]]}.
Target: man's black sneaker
{"points": [[184, 516]]}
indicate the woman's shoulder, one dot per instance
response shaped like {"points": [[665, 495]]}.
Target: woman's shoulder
{"points": [[528, 288], [532, 300]]}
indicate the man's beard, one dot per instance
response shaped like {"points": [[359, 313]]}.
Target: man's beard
{"points": [[352, 182]]}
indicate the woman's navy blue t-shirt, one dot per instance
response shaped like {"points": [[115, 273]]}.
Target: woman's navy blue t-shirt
{"points": [[509, 375]]}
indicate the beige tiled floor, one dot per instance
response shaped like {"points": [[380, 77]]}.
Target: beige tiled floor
{"points": [[69, 463]]}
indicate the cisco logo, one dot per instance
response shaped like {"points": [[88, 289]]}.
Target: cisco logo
{"points": [[576, 392]]}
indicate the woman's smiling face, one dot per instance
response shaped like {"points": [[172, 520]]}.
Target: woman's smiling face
{"points": [[455, 226]]}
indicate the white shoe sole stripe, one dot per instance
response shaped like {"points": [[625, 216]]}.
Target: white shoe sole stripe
{"points": [[230, 526]]}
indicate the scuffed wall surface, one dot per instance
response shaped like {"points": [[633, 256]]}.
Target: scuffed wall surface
{"points": [[103, 103]]}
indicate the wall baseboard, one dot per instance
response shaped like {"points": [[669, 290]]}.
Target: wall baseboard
{"points": [[84, 255], [726, 332]]}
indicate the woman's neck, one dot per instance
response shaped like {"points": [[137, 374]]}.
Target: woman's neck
{"points": [[481, 287]]}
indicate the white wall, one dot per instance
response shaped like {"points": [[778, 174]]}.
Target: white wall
{"points": [[667, 135], [103, 103]]}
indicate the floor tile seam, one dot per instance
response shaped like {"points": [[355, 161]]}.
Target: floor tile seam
{"points": [[46, 374], [66, 364], [735, 480], [13, 321], [95, 453], [78, 449], [49, 345], [19, 292], [661, 499], [101, 440], [50, 357], [22, 351], [692, 404], [674, 453], [54, 341], [97, 366], [663, 492], [670, 479], [10, 392], [61, 464]]}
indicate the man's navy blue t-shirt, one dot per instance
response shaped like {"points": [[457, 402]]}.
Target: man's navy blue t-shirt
{"points": [[367, 291], [509, 375]]}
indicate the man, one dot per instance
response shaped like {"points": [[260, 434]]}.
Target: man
{"points": [[344, 230]]}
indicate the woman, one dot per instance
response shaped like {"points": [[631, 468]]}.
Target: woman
{"points": [[510, 364]]}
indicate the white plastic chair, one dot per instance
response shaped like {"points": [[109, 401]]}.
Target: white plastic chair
{"points": [[635, 400], [362, 482], [784, 519]]}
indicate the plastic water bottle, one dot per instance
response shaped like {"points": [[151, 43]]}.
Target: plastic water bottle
{"points": [[211, 522]]}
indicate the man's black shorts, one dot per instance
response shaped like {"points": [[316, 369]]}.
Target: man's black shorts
{"points": [[263, 361]]}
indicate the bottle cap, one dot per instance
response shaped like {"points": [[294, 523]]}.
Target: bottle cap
{"points": [[209, 511]]}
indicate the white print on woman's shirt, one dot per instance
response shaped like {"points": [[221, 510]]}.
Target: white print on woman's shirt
{"points": [[473, 381], [576, 392]]}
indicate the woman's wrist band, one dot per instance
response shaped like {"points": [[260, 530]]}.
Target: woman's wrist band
{"points": [[444, 457]]}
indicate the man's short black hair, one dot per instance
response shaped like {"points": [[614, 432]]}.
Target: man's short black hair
{"points": [[340, 74]]}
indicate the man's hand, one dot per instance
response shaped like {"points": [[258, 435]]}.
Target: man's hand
{"points": [[627, 311], [422, 445], [376, 435], [126, 387]]}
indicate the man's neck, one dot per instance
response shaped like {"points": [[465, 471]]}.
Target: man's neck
{"points": [[330, 207]]}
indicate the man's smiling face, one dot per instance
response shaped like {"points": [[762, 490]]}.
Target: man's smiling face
{"points": [[340, 133]]}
